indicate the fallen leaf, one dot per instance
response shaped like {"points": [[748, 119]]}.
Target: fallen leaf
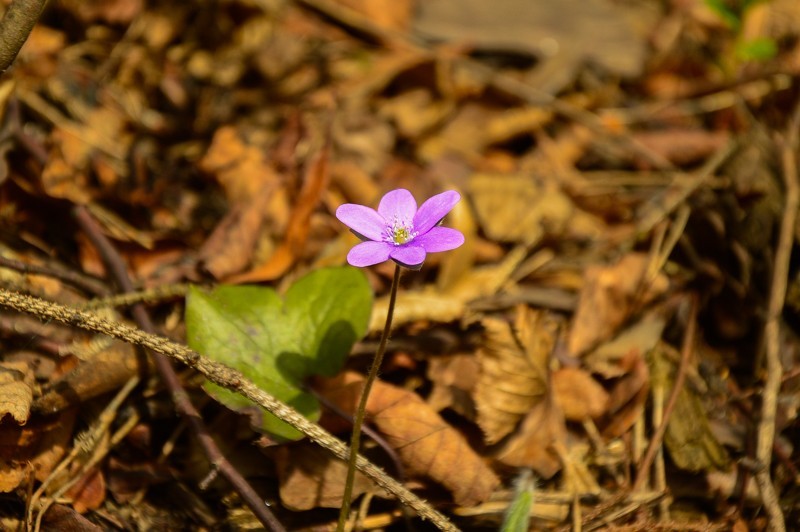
{"points": [[540, 29], [609, 295], [16, 390], [454, 377], [578, 395], [425, 443], [89, 492], [640, 337], [627, 398], [534, 443], [34, 449], [431, 304], [514, 370], [387, 14], [310, 477], [515, 208], [314, 185], [689, 439]]}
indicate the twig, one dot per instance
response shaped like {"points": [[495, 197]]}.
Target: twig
{"points": [[777, 296], [680, 378], [183, 405], [226, 377], [151, 295], [17, 23], [84, 282]]}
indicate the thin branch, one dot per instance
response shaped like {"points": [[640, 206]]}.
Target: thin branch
{"points": [[680, 378], [18, 21], [777, 296], [183, 405], [226, 377]]}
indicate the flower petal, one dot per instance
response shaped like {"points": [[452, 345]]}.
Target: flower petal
{"points": [[440, 239], [433, 210], [369, 253], [398, 204], [411, 256], [362, 220]]}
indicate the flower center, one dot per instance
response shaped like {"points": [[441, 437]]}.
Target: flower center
{"points": [[399, 232]]}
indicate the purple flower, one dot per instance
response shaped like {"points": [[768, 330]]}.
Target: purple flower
{"points": [[398, 231]]}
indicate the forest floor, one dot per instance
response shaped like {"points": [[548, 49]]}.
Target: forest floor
{"points": [[615, 346]]}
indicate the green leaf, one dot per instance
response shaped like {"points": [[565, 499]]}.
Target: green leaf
{"points": [[518, 515], [280, 343]]}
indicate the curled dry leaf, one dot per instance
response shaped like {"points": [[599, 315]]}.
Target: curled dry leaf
{"points": [[454, 378], [608, 296], [425, 443], [513, 376], [310, 477], [431, 304], [16, 390], [513, 387], [34, 449], [578, 394], [627, 398], [517, 209]]}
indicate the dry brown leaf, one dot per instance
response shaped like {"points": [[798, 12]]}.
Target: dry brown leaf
{"points": [[34, 449], [627, 397], [89, 492], [515, 208], [425, 443], [454, 377], [608, 296], [230, 247], [16, 390], [689, 439], [314, 185], [578, 395], [310, 477], [430, 304], [514, 372], [642, 336], [534, 443]]}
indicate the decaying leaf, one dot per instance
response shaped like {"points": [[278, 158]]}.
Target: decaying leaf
{"points": [[689, 439], [627, 398], [578, 395], [514, 386], [310, 477], [534, 443], [516, 208], [425, 443], [34, 449], [641, 337], [609, 295], [449, 305], [540, 29], [514, 372], [314, 184], [454, 378], [16, 390]]}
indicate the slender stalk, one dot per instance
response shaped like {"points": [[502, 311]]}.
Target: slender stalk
{"points": [[355, 440]]}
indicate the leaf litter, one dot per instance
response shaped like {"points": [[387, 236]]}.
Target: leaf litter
{"points": [[616, 162]]}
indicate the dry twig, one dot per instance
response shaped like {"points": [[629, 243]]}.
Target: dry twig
{"points": [[226, 377]]}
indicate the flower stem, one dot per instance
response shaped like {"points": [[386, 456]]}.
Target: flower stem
{"points": [[362, 405]]}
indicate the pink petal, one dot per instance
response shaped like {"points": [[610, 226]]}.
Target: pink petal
{"points": [[440, 239], [398, 204], [369, 253], [433, 210], [362, 220], [411, 256]]}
